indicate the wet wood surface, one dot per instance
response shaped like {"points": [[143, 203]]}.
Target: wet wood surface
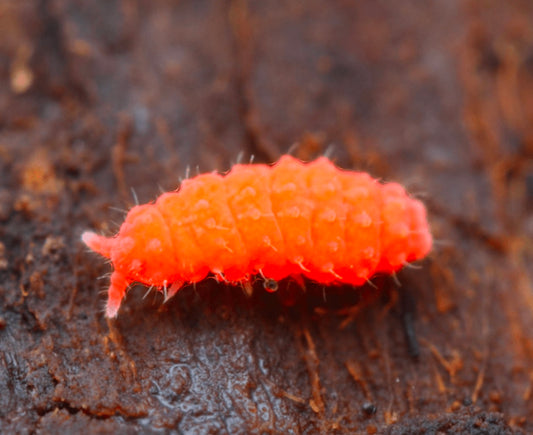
{"points": [[98, 98]]}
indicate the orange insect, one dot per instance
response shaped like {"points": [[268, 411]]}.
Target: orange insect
{"points": [[289, 219]]}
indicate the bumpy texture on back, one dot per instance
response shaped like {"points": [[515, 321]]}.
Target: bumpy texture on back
{"points": [[289, 219]]}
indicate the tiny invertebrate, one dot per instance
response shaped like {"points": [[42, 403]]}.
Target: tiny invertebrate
{"points": [[290, 219], [369, 408]]}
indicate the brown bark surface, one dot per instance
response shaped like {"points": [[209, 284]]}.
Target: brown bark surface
{"points": [[100, 97]]}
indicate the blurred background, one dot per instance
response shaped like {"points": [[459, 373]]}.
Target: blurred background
{"points": [[99, 97]]}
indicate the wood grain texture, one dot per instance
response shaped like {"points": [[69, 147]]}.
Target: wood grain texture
{"points": [[97, 97]]}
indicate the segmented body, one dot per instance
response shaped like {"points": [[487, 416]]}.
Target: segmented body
{"points": [[292, 218]]}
